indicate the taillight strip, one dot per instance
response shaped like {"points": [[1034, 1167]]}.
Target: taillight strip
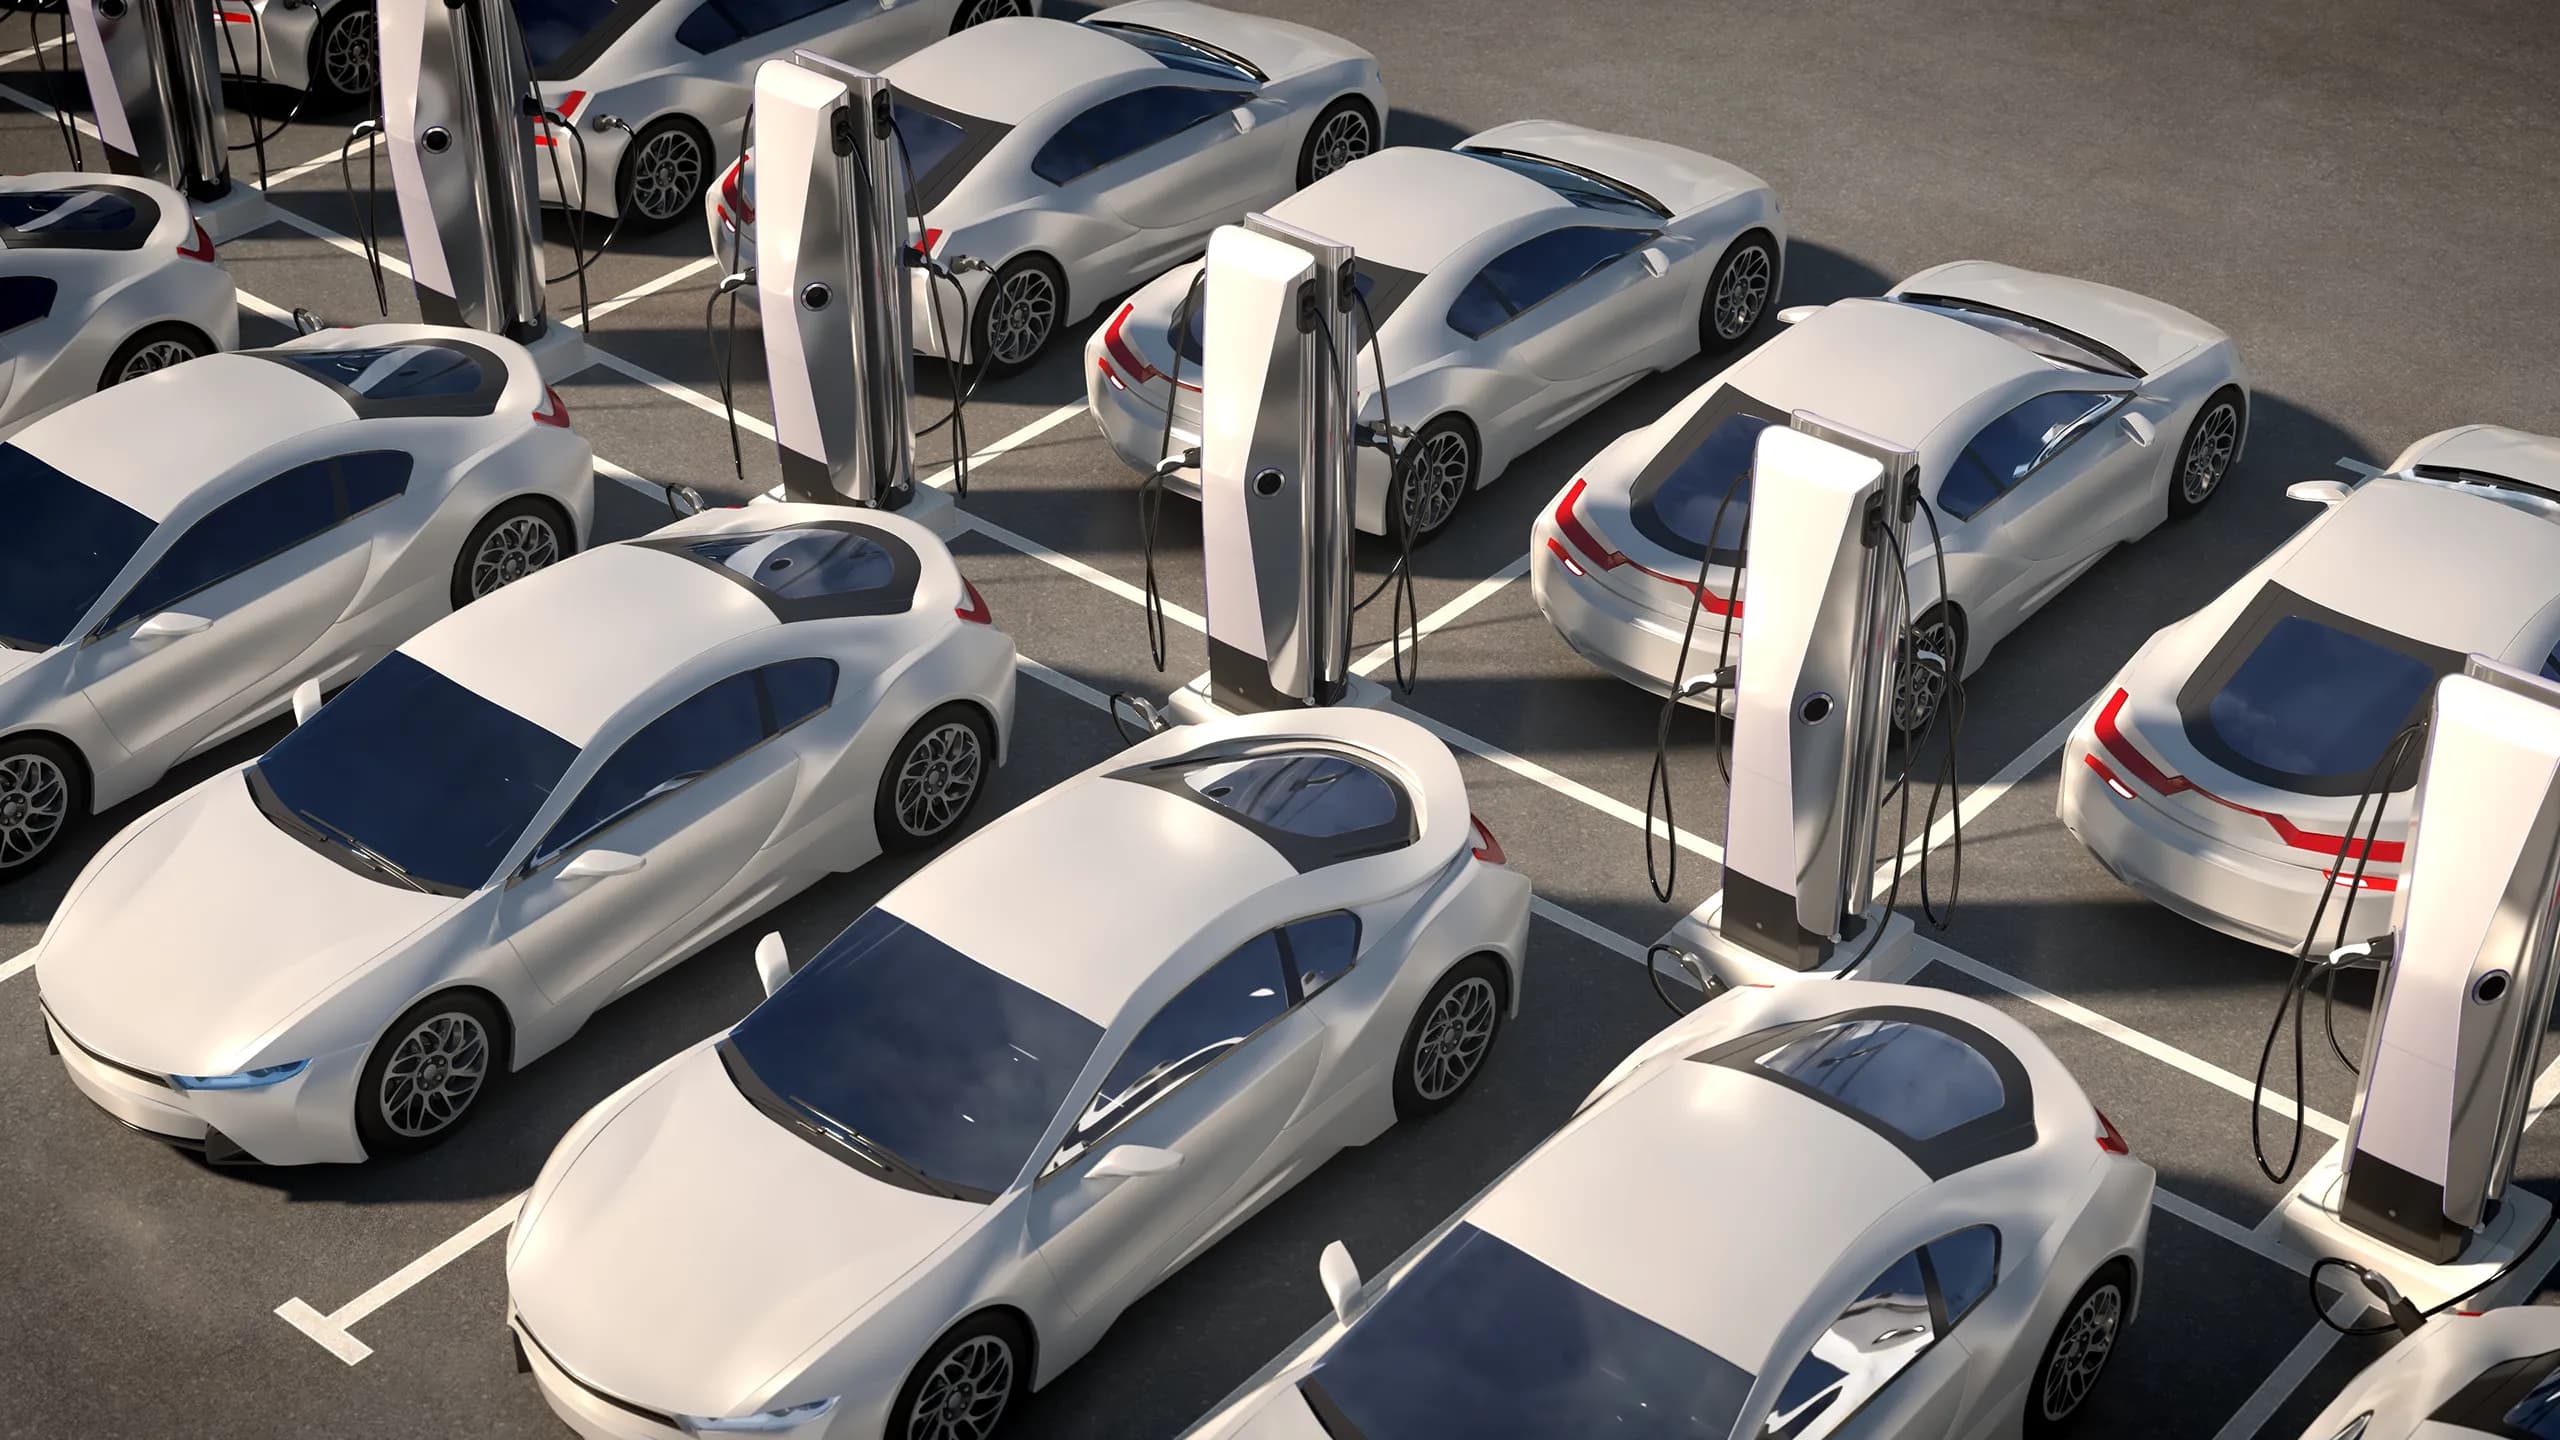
{"points": [[1598, 553], [2144, 769]]}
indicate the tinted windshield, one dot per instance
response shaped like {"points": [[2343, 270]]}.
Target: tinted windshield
{"points": [[1704, 499], [1480, 1340], [2306, 699], [899, 1046], [411, 774], [64, 542], [1589, 191], [551, 27]]}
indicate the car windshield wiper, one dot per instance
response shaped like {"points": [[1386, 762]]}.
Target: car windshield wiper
{"points": [[366, 853], [871, 1151]]}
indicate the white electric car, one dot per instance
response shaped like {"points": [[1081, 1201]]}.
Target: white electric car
{"points": [[2054, 419], [2220, 769], [1516, 283], [925, 1176], [2488, 1376], [181, 551], [102, 278], [1845, 1209], [526, 811], [328, 49], [1077, 161], [658, 91]]}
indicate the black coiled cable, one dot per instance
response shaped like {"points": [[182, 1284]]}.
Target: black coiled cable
{"points": [[368, 228], [1151, 489], [1663, 874], [63, 123]]}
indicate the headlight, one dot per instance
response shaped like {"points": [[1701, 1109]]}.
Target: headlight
{"points": [[259, 1078], [763, 1422]]}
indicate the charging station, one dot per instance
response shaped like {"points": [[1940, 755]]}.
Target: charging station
{"points": [[1277, 442], [458, 114], [156, 90], [832, 255], [1812, 706], [2420, 1192]]}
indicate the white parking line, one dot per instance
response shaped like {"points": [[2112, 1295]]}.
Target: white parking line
{"points": [[14, 56], [1475, 595], [331, 1331], [2258, 1242], [15, 964], [2290, 1372], [668, 281]]}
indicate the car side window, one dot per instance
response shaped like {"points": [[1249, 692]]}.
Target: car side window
{"points": [[374, 476], [1124, 125], [710, 27], [1212, 1016], [1536, 270], [247, 529], [1893, 1322], [698, 736], [797, 689], [1965, 1265], [2010, 448], [1319, 949], [25, 299], [755, 17]]}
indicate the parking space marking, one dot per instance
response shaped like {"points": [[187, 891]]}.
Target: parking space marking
{"points": [[1476, 594], [14, 56], [23, 960], [333, 1331], [672, 278], [2258, 1242], [2287, 1377]]}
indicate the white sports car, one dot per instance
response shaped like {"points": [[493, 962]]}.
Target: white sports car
{"points": [[1079, 160], [1517, 282], [102, 278], [926, 1175], [526, 811], [327, 49], [2494, 1375], [658, 91], [1843, 1209], [2220, 769], [183, 550], [2054, 419]]}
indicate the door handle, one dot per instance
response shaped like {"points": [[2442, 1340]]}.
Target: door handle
{"points": [[171, 625]]}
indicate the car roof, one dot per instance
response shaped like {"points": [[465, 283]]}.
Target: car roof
{"points": [[1078, 922], [1668, 1201], [125, 442], [1007, 70], [1894, 371], [2460, 571], [1371, 205], [571, 646]]}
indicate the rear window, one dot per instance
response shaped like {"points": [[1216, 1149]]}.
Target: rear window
{"points": [[1945, 1094], [440, 377], [76, 218], [64, 542], [821, 570], [1316, 807], [1584, 188], [2306, 699], [1679, 500], [553, 28], [1382, 287]]}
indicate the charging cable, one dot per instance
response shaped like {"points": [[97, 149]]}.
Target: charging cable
{"points": [[1168, 462], [724, 355], [62, 121], [1662, 868], [368, 230]]}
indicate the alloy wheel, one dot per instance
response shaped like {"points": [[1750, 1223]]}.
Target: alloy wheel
{"points": [[158, 355], [2217, 439], [349, 59], [966, 1394], [1020, 317], [939, 779], [666, 175], [1343, 139], [2088, 1338], [1435, 481], [1918, 689], [435, 1073], [1742, 292], [982, 11], [1454, 1038], [35, 801], [524, 544]]}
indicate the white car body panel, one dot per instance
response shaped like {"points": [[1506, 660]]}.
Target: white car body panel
{"points": [[2398, 1396]]}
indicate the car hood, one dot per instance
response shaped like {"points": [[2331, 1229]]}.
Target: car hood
{"points": [[204, 928], [694, 1247], [2492, 450]]}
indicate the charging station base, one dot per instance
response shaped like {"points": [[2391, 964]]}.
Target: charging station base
{"points": [[235, 213], [1196, 701], [2309, 1225], [933, 509], [1893, 959], [559, 352]]}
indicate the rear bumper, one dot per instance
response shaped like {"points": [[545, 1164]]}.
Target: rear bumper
{"points": [[1615, 634]]}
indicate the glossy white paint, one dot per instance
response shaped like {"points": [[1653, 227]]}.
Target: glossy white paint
{"points": [[2398, 1395]]}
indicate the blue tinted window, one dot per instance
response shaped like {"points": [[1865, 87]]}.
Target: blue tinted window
{"points": [[86, 212], [758, 16], [692, 740], [799, 689], [1478, 309], [929, 139], [801, 562], [25, 299], [1535, 270], [374, 476], [1691, 503], [2009, 447], [1123, 126], [917, 1049], [1479, 1339], [1177, 53], [1318, 796], [1912, 1079], [707, 29], [64, 542], [1887, 1327], [1588, 191], [1966, 1264], [401, 372], [2314, 702], [1191, 328], [551, 27], [248, 528], [1321, 948], [437, 780], [2538, 1413], [1213, 1014]]}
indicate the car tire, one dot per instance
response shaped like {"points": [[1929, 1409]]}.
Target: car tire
{"points": [[1440, 467], [934, 778], [154, 347], [2078, 1352], [346, 57], [510, 542], [44, 795], [1344, 131], [664, 172], [979, 12], [1738, 293], [1941, 631], [2205, 456], [967, 1381], [429, 1072], [1022, 309], [1452, 1035]]}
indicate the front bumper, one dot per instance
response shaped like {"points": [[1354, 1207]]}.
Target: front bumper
{"points": [[1612, 632], [309, 1119], [589, 1411]]}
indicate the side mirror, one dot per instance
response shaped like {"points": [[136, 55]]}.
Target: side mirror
{"points": [[170, 625], [2319, 492], [306, 701], [1656, 264], [1794, 313], [2137, 427], [600, 865], [1243, 116], [1340, 1276], [1134, 1162], [773, 961]]}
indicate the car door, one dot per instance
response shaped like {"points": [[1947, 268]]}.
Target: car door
{"points": [[1567, 312], [1168, 160], [224, 622], [692, 795], [1214, 1076], [1890, 1367], [2029, 487]]}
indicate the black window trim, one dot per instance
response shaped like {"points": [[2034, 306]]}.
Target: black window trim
{"points": [[978, 137], [1305, 853], [477, 403], [2081, 429], [1238, 99], [2098, 348], [1641, 197], [1729, 401], [1252, 72], [146, 219], [2481, 480], [1515, 312]]}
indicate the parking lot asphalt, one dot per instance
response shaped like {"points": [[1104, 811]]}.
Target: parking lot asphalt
{"points": [[2360, 192]]}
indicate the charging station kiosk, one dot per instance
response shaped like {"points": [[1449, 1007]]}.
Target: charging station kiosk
{"points": [[157, 92], [2420, 1191], [1812, 705], [458, 114], [831, 256], [1277, 442]]}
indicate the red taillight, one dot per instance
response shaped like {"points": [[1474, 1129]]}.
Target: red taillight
{"points": [[1110, 374], [1487, 849], [973, 606], [2110, 1139], [1569, 524], [1117, 347], [570, 102], [1561, 553], [932, 238], [198, 248], [2123, 791], [2108, 728], [734, 195], [554, 411]]}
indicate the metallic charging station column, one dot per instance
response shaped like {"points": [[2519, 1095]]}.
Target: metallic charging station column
{"points": [[2420, 1191], [157, 91], [831, 279], [1276, 458], [1812, 712], [458, 118]]}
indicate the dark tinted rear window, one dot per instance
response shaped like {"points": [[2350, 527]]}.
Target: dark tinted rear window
{"points": [[2305, 698], [827, 569], [440, 377], [1383, 288], [76, 218], [1917, 1081], [64, 542], [1680, 501], [553, 28], [1312, 795]]}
